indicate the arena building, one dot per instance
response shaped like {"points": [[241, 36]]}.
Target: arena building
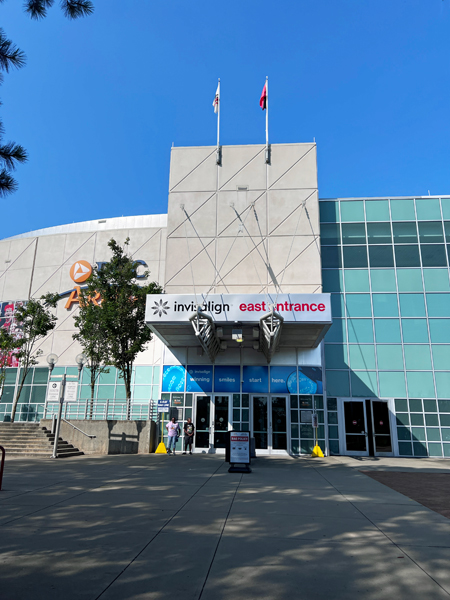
{"points": [[276, 306]]}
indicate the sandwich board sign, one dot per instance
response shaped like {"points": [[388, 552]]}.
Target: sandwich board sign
{"points": [[239, 452]]}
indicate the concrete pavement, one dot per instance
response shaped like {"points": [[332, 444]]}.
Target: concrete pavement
{"points": [[154, 527]]}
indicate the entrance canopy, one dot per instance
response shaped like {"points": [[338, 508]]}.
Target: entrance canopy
{"points": [[264, 322]]}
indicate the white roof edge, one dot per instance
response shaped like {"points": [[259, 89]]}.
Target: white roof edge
{"points": [[384, 197], [137, 222]]}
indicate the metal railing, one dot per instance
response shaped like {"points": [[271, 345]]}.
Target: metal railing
{"points": [[78, 429]]}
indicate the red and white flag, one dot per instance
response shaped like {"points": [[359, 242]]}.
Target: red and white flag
{"points": [[263, 99], [216, 99]]}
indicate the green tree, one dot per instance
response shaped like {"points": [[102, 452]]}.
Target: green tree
{"points": [[36, 320], [91, 338], [12, 57], [122, 310], [8, 344]]}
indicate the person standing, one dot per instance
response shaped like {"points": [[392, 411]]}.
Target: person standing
{"points": [[173, 431], [189, 430]]}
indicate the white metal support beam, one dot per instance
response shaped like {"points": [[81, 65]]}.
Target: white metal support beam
{"points": [[205, 330], [270, 326]]}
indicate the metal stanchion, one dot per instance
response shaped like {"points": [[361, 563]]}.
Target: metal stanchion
{"points": [[2, 465]]}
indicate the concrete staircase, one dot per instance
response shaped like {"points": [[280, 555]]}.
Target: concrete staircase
{"points": [[32, 439]]}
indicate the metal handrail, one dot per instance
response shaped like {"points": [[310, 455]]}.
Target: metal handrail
{"points": [[77, 428]]}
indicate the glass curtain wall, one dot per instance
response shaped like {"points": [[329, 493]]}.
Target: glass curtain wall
{"points": [[385, 263]]}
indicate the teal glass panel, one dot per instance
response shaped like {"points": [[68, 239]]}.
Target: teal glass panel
{"points": [[420, 384], [439, 330], [187, 400], [442, 383], [405, 449], [402, 418], [403, 433], [389, 357], [156, 375], [337, 305], [294, 401], [58, 371], [360, 331], [377, 210], [306, 431], [106, 392], [441, 357], [418, 434], [444, 407], [412, 305], [332, 281], [338, 383], [363, 383], [434, 449], [438, 305], [356, 281], [447, 230], [330, 234], [445, 435], [142, 392], [155, 392], [415, 405], [402, 210], [409, 280], [431, 232], [383, 280], [407, 256], [355, 257], [10, 376], [417, 419], [337, 332], [333, 431], [392, 384], [334, 447], [336, 356], [306, 446], [436, 280], [86, 375], [333, 418], [433, 255], [420, 449], [385, 305], [143, 375], [294, 431], [401, 405], [381, 256], [362, 356], [108, 378], [331, 404], [379, 233], [85, 392], [387, 331], [445, 203], [329, 212], [72, 371], [428, 209], [294, 445], [417, 357], [415, 331], [432, 420], [38, 393], [236, 414], [404, 233], [430, 406], [40, 375], [446, 449], [358, 305], [331, 257], [237, 400], [121, 393], [352, 210], [353, 233]]}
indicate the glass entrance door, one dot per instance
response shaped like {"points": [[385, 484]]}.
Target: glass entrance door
{"points": [[202, 422], [367, 428], [381, 429], [355, 428], [211, 422], [221, 417], [269, 424]]}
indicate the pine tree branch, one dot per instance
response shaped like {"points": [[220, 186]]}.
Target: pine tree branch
{"points": [[37, 9], [12, 153], [8, 184], [10, 54], [73, 9]]}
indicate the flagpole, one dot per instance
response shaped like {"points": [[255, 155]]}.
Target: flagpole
{"points": [[267, 120], [218, 128]]}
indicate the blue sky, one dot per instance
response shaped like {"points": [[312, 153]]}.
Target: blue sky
{"points": [[102, 99]]}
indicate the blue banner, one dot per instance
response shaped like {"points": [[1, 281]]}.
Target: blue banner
{"points": [[310, 380], [227, 379], [174, 377], [283, 380], [255, 380], [199, 378]]}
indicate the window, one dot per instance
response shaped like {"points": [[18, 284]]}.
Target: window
{"points": [[355, 257], [383, 280], [331, 257], [405, 233], [433, 255], [428, 209], [377, 210], [379, 233], [385, 305], [387, 331], [407, 256], [330, 234], [412, 305], [352, 211], [403, 210], [381, 256], [329, 212], [430, 232], [358, 305], [353, 233]]}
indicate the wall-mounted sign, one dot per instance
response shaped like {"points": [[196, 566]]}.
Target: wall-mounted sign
{"points": [[255, 380], [163, 406], [199, 378], [174, 377], [177, 400], [245, 308], [227, 378], [53, 391], [70, 392], [283, 380]]}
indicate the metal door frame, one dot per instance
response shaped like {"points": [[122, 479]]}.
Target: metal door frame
{"points": [[212, 414], [342, 432], [269, 450]]}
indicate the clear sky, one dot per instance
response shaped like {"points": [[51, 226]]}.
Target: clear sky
{"points": [[102, 99]]}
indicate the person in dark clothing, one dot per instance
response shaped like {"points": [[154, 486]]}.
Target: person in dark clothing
{"points": [[188, 435]]}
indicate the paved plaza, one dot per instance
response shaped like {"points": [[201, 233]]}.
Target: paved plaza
{"points": [[160, 527]]}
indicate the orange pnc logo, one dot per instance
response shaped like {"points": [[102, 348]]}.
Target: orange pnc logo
{"points": [[80, 271]]}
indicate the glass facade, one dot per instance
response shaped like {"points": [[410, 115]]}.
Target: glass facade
{"points": [[386, 264]]}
